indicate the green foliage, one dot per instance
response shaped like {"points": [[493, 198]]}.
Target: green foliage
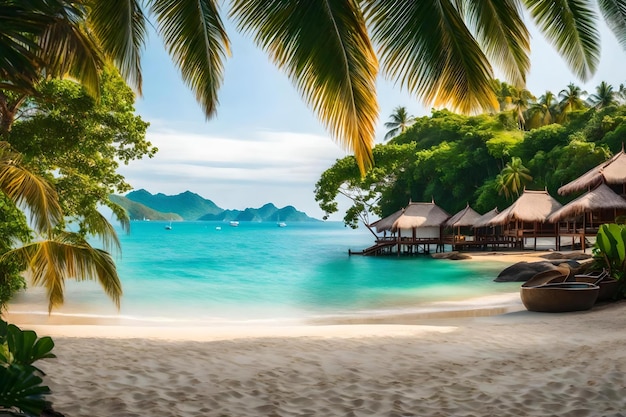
{"points": [[13, 228], [21, 388], [78, 143], [610, 251], [456, 160]]}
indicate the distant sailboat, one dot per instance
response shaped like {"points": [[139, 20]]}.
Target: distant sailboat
{"points": [[234, 223], [169, 226], [279, 223]]}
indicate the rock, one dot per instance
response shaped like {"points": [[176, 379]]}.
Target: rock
{"points": [[576, 256], [523, 271], [454, 255]]}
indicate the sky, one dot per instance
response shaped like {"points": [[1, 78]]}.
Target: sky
{"points": [[264, 144]]}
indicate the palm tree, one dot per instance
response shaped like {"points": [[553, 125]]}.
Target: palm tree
{"points": [[399, 122], [604, 96], [513, 177], [545, 110], [56, 255], [520, 101], [442, 51], [571, 98]]}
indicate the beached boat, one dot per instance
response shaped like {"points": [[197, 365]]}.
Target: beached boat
{"points": [[234, 223], [560, 297]]}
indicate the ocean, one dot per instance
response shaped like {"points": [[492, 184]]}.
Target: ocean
{"points": [[213, 273]]}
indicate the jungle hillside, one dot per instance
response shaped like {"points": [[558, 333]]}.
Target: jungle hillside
{"points": [[486, 160]]}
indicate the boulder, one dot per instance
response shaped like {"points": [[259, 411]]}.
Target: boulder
{"points": [[454, 255], [576, 256], [523, 271]]}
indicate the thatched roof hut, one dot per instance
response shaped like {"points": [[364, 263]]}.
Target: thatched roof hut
{"points": [[612, 171], [417, 215], [531, 207], [466, 217], [385, 224], [600, 198], [484, 220]]}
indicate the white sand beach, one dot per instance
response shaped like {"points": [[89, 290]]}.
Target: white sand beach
{"points": [[515, 364]]}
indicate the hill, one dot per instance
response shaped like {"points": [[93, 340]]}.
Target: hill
{"points": [[190, 206], [137, 211]]}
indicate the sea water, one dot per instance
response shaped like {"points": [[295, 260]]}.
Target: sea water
{"points": [[211, 272]]}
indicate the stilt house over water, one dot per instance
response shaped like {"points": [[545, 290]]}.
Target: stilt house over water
{"points": [[527, 218], [414, 229], [459, 233]]}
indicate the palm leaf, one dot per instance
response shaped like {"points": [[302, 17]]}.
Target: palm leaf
{"points": [[23, 187], [68, 256], [324, 48], [99, 226], [195, 38], [571, 26], [614, 12], [120, 26], [427, 47], [69, 49], [501, 30]]}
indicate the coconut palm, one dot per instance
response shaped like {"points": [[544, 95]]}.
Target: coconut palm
{"points": [[441, 51], [399, 122], [571, 98], [604, 96], [545, 111], [520, 101], [55, 255], [513, 177]]}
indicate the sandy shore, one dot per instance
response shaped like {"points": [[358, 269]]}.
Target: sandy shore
{"points": [[516, 364]]}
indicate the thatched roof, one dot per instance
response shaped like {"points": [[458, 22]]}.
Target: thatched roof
{"points": [[486, 218], [531, 206], [612, 171], [386, 223], [420, 215], [465, 217], [601, 197]]}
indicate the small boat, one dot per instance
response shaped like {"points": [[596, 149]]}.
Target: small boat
{"points": [[218, 227], [561, 297], [169, 226], [281, 224], [234, 223]]}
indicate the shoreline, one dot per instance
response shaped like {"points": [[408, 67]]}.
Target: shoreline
{"points": [[514, 364]]}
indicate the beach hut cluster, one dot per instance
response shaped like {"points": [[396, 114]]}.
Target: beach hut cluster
{"points": [[424, 227]]}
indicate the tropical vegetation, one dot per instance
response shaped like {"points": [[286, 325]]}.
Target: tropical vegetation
{"points": [[443, 52], [484, 160], [22, 392], [609, 252]]}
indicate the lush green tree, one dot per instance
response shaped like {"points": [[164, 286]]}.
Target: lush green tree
{"points": [[544, 111], [399, 122], [77, 143], [571, 98], [69, 139], [13, 227], [521, 104], [603, 97], [514, 177], [441, 51]]}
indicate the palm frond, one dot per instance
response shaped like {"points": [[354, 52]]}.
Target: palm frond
{"points": [[426, 46], [120, 214], [501, 31], [614, 12], [324, 48], [68, 256], [68, 49], [23, 187], [571, 26], [99, 226], [120, 26], [195, 37]]}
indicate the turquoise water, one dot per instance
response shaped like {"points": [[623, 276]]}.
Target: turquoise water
{"points": [[259, 271]]}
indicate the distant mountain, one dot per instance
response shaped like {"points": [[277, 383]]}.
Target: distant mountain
{"points": [[137, 211], [190, 206], [267, 213]]}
